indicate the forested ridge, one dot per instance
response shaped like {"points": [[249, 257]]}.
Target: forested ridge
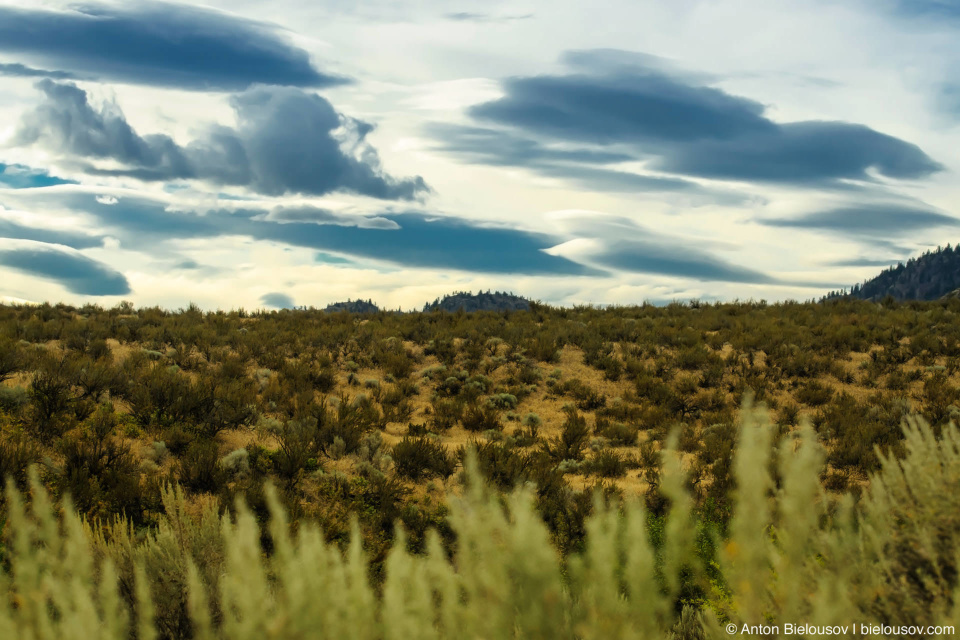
{"points": [[927, 277]]}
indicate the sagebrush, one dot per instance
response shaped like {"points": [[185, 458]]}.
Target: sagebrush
{"points": [[793, 553]]}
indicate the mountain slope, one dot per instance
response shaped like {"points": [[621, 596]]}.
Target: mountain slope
{"points": [[931, 276]]}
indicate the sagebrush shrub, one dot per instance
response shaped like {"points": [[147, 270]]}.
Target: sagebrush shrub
{"points": [[573, 438], [791, 554], [422, 457]]}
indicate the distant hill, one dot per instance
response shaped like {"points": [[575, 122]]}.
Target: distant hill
{"points": [[353, 306], [934, 275], [496, 301]]}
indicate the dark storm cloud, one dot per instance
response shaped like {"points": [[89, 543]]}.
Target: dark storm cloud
{"points": [[159, 43], [277, 300], [74, 271], [17, 70], [639, 105], [870, 220], [286, 141]]}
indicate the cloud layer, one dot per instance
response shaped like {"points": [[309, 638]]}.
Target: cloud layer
{"points": [[17, 70], [872, 220], [159, 43], [620, 105], [18, 176], [618, 243], [74, 271], [582, 243], [412, 239]]}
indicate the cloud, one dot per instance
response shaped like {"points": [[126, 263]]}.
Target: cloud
{"points": [[18, 176], [286, 141], [803, 152], [579, 165], [440, 242], [619, 243], [324, 216], [863, 262], [466, 16], [409, 239], [639, 107], [17, 70], [329, 258], [74, 271], [158, 43], [74, 240], [497, 147], [277, 300], [673, 121], [948, 98], [628, 182], [884, 220], [934, 9], [580, 243]]}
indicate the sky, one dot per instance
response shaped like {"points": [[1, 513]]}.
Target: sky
{"points": [[301, 152]]}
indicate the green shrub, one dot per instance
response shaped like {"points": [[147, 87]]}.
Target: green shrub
{"points": [[587, 399], [199, 468], [17, 453], [422, 457], [532, 420], [398, 364], [503, 401], [12, 358], [572, 441], [236, 463], [447, 413], [618, 433], [814, 394], [13, 400], [479, 418], [608, 464]]}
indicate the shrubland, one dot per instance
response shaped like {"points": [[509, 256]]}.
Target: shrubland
{"points": [[792, 554], [173, 435]]}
